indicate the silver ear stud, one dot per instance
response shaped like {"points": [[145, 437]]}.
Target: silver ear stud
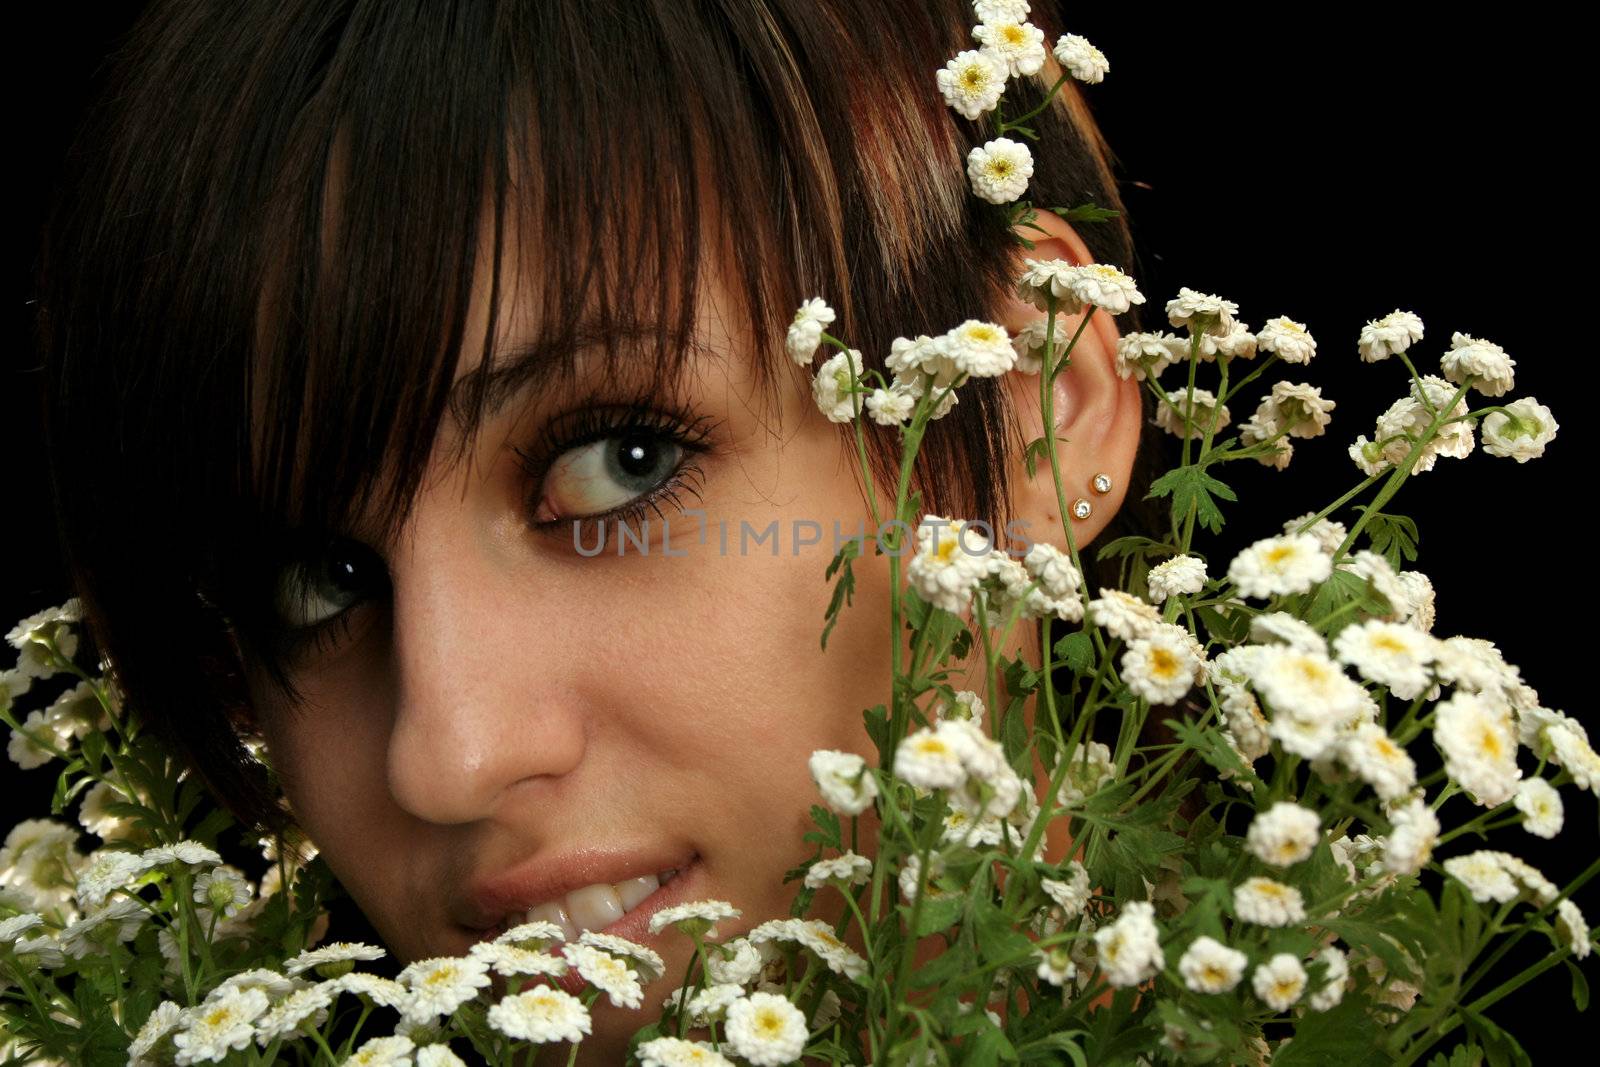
{"points": [[1102, 483], [1081, 508]]}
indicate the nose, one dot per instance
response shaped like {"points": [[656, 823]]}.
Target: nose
{"points": [[480, 707]]}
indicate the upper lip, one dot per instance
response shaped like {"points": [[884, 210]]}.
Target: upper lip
{"points": [[547, 876]]}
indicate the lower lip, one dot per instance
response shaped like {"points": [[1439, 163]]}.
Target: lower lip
{"points": [[635, 926]]}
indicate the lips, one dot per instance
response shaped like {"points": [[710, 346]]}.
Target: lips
{"points": [[589, 890]]}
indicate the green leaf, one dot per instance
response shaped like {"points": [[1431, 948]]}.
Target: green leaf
{"points": [[1086, 212], [1580, 987], [1076, 650], [988, 1048], [843, 589], [1191, 488], [939, 913], [1135, 544], [1393, 536]]}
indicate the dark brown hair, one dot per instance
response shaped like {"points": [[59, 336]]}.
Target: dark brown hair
{"points": [[254, 285]]}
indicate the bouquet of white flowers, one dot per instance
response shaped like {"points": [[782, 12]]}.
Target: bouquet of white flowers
{"points": [[1189, 825]]}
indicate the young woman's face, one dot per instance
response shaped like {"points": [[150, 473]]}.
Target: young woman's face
{"points": [[523, 728]]}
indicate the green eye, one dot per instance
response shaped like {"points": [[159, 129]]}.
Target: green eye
{"points": [[607, 474], [317, 589]]}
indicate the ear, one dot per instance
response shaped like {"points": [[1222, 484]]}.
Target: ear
{"points": [[1098, 415]]}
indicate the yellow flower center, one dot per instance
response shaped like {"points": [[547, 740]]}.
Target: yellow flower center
{"points": [[1388, 643], [972, 77], [1013, 34], [768, 1023], [1278, 553], [1163, 664]]}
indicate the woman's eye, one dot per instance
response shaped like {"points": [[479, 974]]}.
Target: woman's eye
{"points": [[315, 590], [606, 474]]}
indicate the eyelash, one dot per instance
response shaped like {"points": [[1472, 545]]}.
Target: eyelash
{"points": [[583, 425], [598, 422]]}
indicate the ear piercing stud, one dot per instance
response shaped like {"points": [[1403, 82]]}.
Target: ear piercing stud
{"points": [[1102, 483], [1081, 508]]}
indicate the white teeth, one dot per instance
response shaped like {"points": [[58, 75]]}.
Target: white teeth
{"points": [[554, 911], [595, 907], [636, 889]]}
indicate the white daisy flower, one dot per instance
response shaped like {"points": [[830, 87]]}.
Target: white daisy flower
{"points": [[1480, 749], [1160, 667], [95, 816], [327, 960], [1404, 422], [766, 1029], [1081, 59], [158, 1025], [42, 953], [1570, 924], [1277, 566], [31, 636], [805, 332], [1183, 410], [1389, 653], [980, 349], [1090, 770], [1073, 895], [1237, 343], [119, 922], [607, 973], [1418, 600], [697, 916], [909, 360], [1305, 683], [384, 992], [1284, 834], [1248, 728], [438, 1056], [1279, 982], [1485, 876], [1541, 807], [1178, 576], [514, 962], [1298, 408], [1487, 361], [1043, 279], [708, 1005], [1129, 950], [1099, 285], [891, 406], [1028, 343], [1288, 338], [1146, 355], [847, 868], [967, 706], [1410, 844], [222, 889], [1053, 569], [1253, 431], [536, 936], [393, 1051], [1329, 533], [831, 387], [999, 170], [1202, 313], [646, 961], [1522, 437], [931, 758], [1328, 995], [35, 744], [1056, 966], [189, 853], [1123, 615], [677, 1052], [732, 963], [17, 925], [1209, 966], [1266, 902], [212, 1030], [300, 1011], [847, 787], [952, 557], [541, 1015], [1000, 10], [1016, 46], [1395, 332], [274, 985], [440, 985], [1375, 757], [108, 871], [971, 83]]}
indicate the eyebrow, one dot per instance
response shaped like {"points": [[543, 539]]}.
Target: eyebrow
{"points": [[543, 360]]}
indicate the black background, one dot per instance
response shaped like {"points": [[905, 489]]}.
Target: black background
{"points": [[1330, 168]]}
